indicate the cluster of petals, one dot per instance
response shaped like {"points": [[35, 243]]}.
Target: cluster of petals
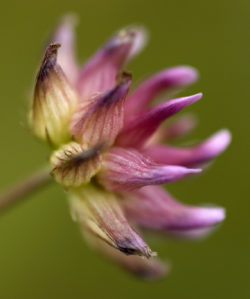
{"points": [[108, 151]]}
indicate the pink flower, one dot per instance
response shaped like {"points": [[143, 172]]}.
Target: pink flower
{"points": [[108, 151]]}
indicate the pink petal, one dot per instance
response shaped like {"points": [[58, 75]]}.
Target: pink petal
{"points": [[99, 73], [153, 207], [100, 118], [65, 35], [150, 270], [203, 152], [124, 170], [191, 234], [167, 79], [99, 212], [176, 129], [137, 131]]}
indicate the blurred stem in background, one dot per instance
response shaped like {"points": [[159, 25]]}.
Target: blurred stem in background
{"points": [[24, 188]]}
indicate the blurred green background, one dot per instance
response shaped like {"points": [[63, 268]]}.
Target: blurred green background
{"points": [[42, 254]]}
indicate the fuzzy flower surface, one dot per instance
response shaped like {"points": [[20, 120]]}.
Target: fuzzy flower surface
{"points": [[108, 149]]}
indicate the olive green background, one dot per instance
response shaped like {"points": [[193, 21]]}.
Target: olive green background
{"points": [[42, 254]]}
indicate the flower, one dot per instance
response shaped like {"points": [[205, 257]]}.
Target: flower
{"points": [[107, 149]]}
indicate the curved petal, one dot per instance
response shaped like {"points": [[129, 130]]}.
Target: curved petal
{"points": [[99, 73], [98, 212], [124, 170], [65, 35], [168, 79], [100, 118], [154, 208], [189, 157], [137, 131]]}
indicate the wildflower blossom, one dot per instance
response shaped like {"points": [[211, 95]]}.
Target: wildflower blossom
{"points": [[107, 149]]}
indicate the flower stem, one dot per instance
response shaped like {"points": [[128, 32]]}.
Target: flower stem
{"points": [[25, 187]]}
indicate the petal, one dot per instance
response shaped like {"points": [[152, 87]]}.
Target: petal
{"points": [[65, 35], [176, 129], [146, 269], [138, 130], [189, 157], [101, 116], [98, 212], [74, 164], [54, 101], [99, 73], [124, 170], [179, 76], [191, 234], [154, 208]]}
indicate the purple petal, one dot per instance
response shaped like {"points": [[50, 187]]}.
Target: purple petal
{"points": [[100, 214], [124, 170], [190, 234], [150, 270], [203, 152], [65, 35], [176, 129], [100, 118], [154, 208], [137, 131], [99, 73], [167, 79]]}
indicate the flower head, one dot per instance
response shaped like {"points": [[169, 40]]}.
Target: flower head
{"points": [[108, 150]]}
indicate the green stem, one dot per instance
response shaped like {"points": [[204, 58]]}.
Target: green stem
{"points": [[24, 188]]}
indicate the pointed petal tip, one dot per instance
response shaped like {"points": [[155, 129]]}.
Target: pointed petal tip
{"points": [[186, 100], [180, 171], [194, 170], [49, 61], [123, 78], [196, 97], [52, 49]]}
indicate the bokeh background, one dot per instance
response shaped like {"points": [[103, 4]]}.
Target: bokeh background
{"points": [[42, 254]]}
